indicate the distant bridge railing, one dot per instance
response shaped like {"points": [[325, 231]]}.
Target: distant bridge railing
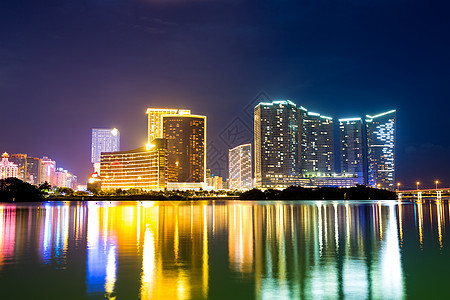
{"points": [[419, 193]]}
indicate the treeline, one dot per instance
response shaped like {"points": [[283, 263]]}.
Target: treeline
{"points": [[138, 194], [15, 190], [359, 192]]}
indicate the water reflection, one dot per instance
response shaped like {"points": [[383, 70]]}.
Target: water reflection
{"points": [[181, 250], [7, 234], [101, 267]]}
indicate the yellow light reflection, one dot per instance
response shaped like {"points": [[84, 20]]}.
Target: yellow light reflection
{"points": [[420, 220], [205, 260], [439, 220], [400, 221]]}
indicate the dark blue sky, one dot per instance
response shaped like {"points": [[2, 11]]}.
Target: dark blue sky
{"points": [[69, 66]]}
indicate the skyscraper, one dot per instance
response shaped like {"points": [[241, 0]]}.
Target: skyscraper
{"points": [[47, 170], [240, 167], [276, 144], [103, 140], [317, 143], [351, 142], [33, 166], [142, 168], [155, 120], [28, 167], [380, 133], [21, 161], [186, 146]]}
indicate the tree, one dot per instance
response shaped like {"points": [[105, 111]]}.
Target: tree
{"points": [[45, 187], [14, 189]]}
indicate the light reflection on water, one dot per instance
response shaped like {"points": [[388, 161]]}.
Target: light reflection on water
{"points": [[183, 250]]}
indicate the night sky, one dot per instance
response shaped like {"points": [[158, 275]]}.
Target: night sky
{"points": [[69, 66]]}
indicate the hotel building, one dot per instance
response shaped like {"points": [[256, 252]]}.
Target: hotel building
{"points": [[240, 167], [317, 144], [276, 142], [8, 169], [103, 140], [143, 168], [351, 143], [186, 148], [380, 135], [155, 120], [47, 170]]}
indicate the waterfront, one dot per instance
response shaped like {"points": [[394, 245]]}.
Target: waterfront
{"points": [[225, 249]]}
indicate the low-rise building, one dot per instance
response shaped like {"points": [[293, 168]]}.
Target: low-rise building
{"points": [[8, 169], [143, 168]]}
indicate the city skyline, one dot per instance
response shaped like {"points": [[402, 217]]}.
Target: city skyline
{"points": [[297, 144]]}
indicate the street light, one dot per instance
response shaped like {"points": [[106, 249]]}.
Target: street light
{"points": [[437, 181], [398, 186], [417, 184]]}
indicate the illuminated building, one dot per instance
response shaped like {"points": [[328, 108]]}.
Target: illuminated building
{"points": [[276, 144], [186, 147], [21, 161], [8, 169], [103, 140], [344, 181], [60, 179], [209, 178], [380, 134], [217, 183], [226, 184], [351, 142], [47, 170], [143, 168], [317, 143], [155, 120], [64, 179], [240, 167], [33, 165], [94, 182], [28, 167]]}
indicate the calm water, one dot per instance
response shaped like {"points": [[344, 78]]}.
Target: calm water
{"points": [[225, 250]]}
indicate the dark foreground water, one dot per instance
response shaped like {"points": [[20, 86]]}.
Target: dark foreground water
{"points": [[225, 250]]}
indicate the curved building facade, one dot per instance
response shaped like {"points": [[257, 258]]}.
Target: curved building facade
{"points": [[143, 168]]}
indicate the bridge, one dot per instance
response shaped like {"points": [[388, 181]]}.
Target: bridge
{"points": [[419, 193]]}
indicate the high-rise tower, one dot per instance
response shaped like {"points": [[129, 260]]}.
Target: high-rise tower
{"points": [[47, 170], [21, 161], [103, 140], [240, 167], [317, 143], [276, 144], [380, 133], [155, 120], [186, 148], [351, 144]]}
